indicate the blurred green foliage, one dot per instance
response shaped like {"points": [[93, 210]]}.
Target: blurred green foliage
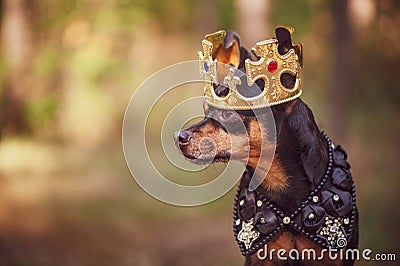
{"points": [[67, 197]]}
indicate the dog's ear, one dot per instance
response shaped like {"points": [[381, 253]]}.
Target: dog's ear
{"points": [[229, 51], [284, 36], [285, 109], [245, 54]]}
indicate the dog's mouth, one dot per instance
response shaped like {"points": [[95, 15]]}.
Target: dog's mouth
{"points": [[223, 158]]}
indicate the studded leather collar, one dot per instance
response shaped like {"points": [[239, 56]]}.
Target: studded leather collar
{"points": [[326, 216]]}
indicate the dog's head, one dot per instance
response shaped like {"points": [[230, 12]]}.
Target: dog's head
{"points": [[227, 134]]}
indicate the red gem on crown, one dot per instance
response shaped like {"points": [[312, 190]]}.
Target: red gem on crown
{"points": [[272, 66]]}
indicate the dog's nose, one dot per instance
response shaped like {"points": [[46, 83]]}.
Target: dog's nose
{"points": [[184, 137]]}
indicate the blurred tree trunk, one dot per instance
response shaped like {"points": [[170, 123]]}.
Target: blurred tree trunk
{"points": [[342, 45], [16, 45], [253, 22]]}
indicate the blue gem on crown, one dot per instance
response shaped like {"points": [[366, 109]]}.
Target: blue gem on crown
{"points": [[206, 66]]}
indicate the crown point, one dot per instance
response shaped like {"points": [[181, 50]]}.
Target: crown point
{"points": [[272, 66]]}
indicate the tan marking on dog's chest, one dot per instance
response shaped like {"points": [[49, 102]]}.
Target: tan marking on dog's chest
{"points": [[284, 241], [276, 178]]}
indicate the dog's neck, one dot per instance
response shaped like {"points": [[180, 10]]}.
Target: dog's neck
{"points": [[301, 154]]}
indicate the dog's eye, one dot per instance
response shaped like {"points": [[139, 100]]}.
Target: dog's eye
{"points": [[227, 115]]}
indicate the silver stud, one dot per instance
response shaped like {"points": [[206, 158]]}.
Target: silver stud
{"points": [[346, 220], [286, 220], [315, 199], [237, 222], [241, 202], [262, 220], [311, 216], [336, 197], [259, 203]]}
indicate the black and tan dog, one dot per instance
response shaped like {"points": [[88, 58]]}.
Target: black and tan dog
{"points": [[307, 199]]}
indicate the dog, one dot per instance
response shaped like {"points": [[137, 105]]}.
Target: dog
{"points": [[308, 191]]}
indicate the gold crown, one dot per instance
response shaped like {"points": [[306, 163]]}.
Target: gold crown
{"points": [[270, 66]]}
